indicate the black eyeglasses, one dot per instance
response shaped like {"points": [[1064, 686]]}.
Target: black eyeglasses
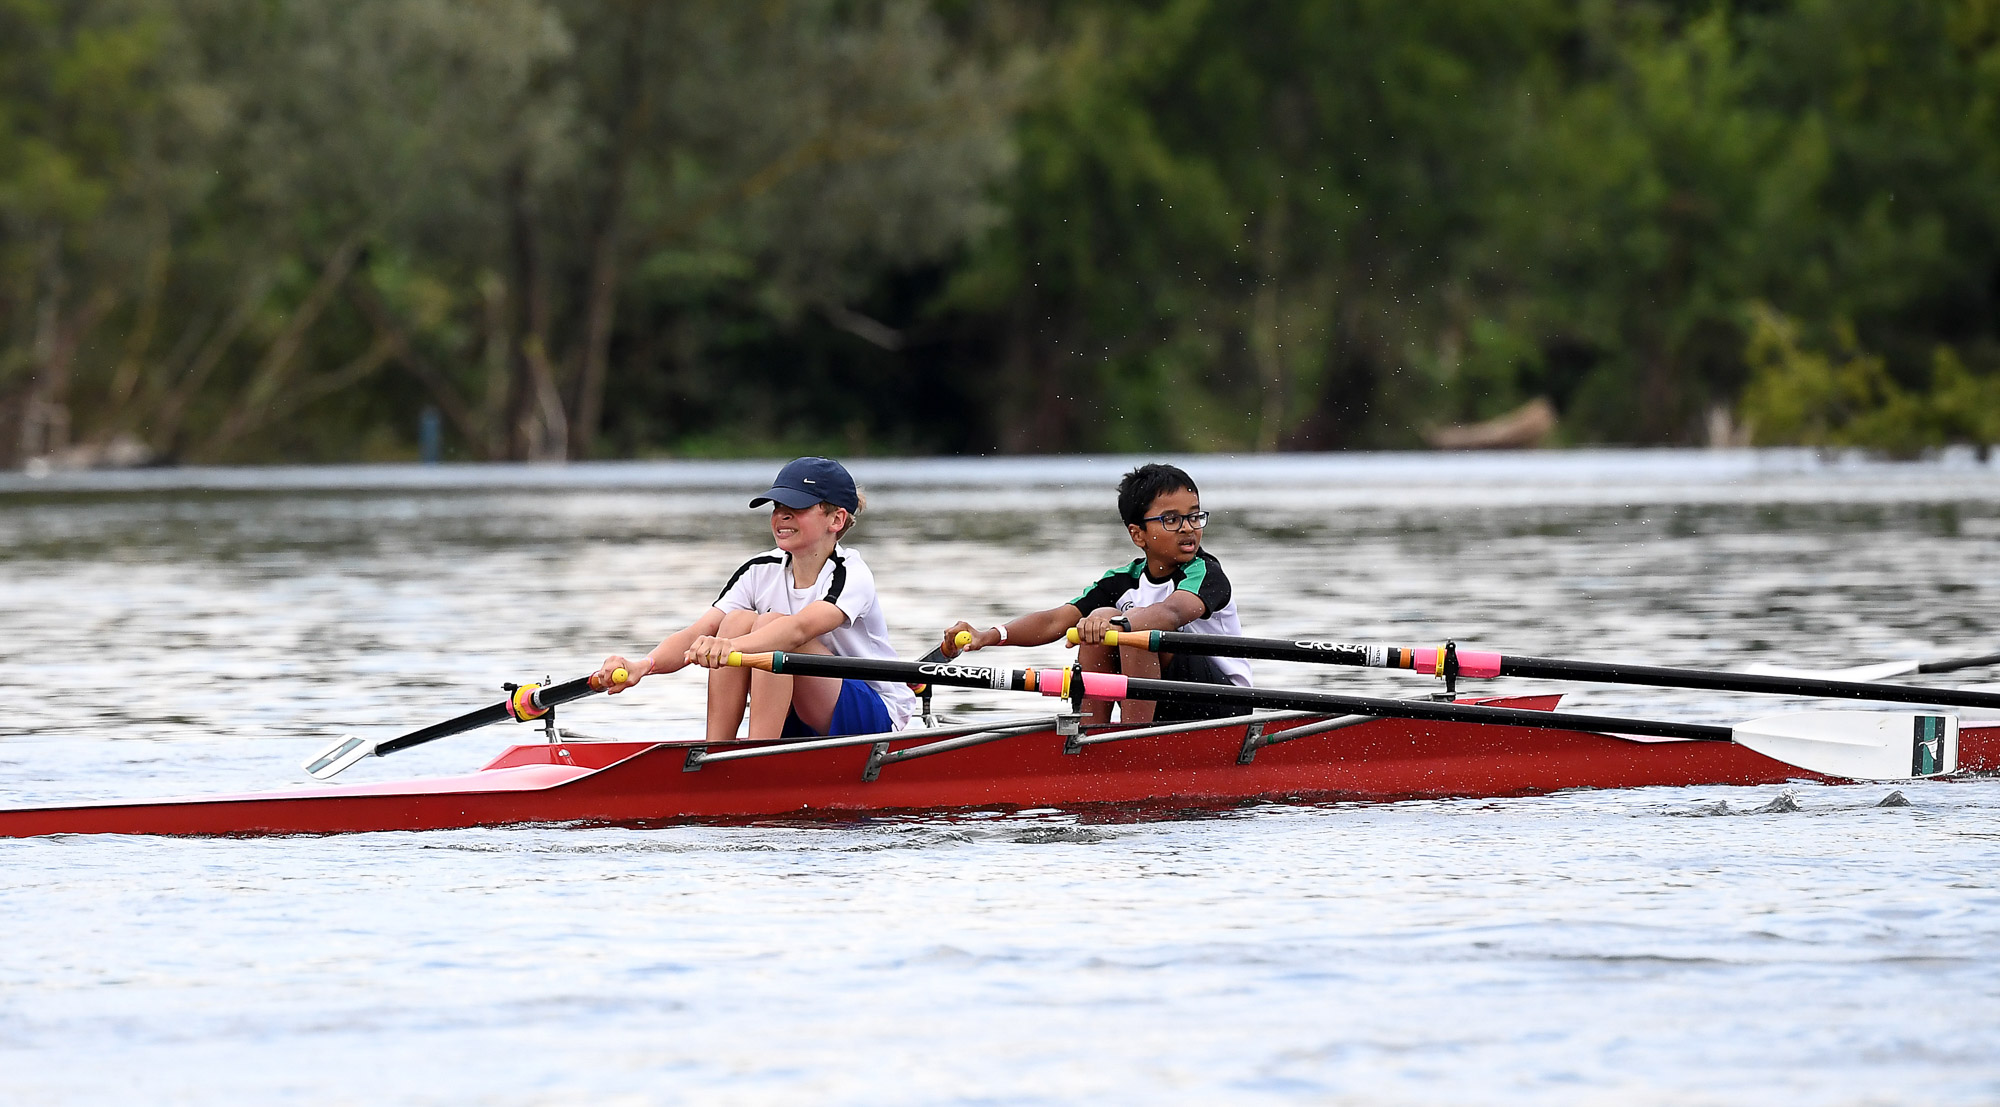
{"points": [[1172, 520]]}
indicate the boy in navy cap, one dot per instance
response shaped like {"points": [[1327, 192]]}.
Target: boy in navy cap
{"points": [[809, 595]]}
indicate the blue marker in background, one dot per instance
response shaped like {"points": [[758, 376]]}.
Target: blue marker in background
{"points": [[430, 436]]}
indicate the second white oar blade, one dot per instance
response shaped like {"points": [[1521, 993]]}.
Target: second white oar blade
{"points": [[1881, 670], [1858, 745]]}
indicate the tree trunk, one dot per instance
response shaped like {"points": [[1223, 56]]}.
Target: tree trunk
{"points": [[1662, 418], [164, 432], [275, 368], [44, 413], [1266, 339], [447, 397], [45, 421], [497, 361], [603, 294], [125, 379], [1037, 406], [536, 427], [1347, 393]]}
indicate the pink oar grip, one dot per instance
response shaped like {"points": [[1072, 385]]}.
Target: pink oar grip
{"points": [[1478, 663], [1471, 663], [1104, 686]]}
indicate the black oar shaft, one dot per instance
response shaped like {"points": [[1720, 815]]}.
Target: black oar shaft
{"points": [[471, 720], [1428, 710], [554, 695], [959, 674], [1950, 664], [1553, 668], [1662, 677]]}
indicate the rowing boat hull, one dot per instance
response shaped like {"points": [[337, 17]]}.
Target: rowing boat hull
{"points": [[645, 783]]}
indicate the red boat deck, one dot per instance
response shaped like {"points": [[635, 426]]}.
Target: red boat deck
{"points": [[645, 783]]}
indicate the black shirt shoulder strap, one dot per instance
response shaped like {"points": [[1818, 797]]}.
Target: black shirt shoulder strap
{"points": [[839, 578], [761, 559]]}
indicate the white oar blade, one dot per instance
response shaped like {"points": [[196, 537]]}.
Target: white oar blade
{"points": [[1881, 670], [338, 757], [1858, 745]]}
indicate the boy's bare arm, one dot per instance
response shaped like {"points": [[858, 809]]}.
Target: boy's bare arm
{"points": [[666, 657], [1172, 613], [788, 633], [1035, 629]]}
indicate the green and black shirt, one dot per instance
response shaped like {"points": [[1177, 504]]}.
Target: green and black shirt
{"points": [[1130, 586]]}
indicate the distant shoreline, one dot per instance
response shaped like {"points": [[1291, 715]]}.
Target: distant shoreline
{"points": [[1592, 475]]}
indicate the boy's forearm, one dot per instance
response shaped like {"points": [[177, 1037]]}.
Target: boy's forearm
{"points": [[1168, 614], [792, 631], [671, 654], [1041, 627], [779, 635]]}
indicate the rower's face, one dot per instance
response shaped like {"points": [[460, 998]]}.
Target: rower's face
{"points": [[1162, 544], [797, 529]]}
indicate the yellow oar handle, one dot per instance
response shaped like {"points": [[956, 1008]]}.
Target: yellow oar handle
{"points": [[619, 676], [749, 661], [1110, 637], [963, 639]]}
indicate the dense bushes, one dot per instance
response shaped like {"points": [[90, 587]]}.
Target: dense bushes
{"points": [[234, 230]]}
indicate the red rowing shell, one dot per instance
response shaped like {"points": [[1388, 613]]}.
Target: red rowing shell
{"points": [[644, 783]]}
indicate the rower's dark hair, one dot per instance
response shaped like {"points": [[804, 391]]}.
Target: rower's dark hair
{"points": [[1141, 486]]}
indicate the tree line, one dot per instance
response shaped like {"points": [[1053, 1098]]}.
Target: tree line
{"points": [[282, 230]]}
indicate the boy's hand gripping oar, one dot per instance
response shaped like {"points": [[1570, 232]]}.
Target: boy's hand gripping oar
{"points": [[529, 701], [1480, 663], [1856, 745]]}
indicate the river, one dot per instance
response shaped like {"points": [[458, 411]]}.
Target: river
{"points": [[176, 631]]}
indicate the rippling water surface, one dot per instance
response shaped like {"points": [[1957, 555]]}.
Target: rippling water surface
{"points": [[181, 632]]}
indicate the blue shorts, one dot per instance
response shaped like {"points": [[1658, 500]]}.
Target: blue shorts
{"points": [[859, 710]]}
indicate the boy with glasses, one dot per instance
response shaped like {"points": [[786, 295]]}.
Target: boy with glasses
{"points": [[1173, 585]]}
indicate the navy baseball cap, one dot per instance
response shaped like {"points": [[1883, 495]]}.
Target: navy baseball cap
{"points": [[810, 480]]}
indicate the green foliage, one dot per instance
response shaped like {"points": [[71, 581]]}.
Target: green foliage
{"points": [[235, 230], [1226, 229], [1799, 395], [1846, 397]]}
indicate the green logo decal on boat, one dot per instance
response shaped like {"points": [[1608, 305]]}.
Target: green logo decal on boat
{"points": [[1927, 751]]}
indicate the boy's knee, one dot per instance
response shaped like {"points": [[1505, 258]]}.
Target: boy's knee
{"points": [[737, 622], [1097, 659], [1134, 662]]}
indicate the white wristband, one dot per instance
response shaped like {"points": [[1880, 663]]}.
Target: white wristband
{"points": [[1002, 632]]}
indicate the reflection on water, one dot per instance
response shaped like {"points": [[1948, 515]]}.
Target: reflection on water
{"points": [[172, 633]]}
